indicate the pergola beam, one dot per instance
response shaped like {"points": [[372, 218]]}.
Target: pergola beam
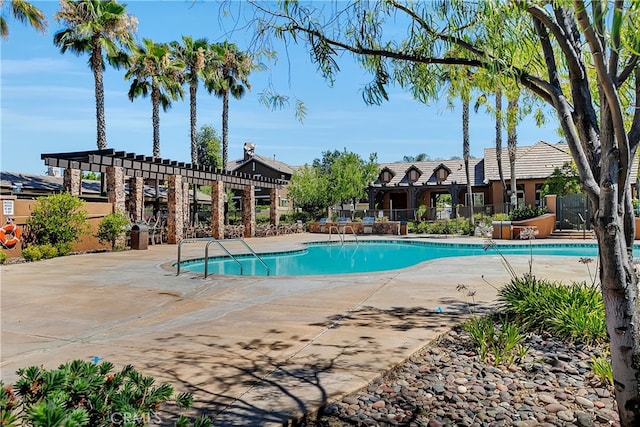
{"points": [[154, 168]]}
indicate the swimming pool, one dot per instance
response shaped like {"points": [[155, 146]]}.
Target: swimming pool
{"points": [[368, 256]]}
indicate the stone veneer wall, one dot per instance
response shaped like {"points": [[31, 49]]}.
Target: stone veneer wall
{"points": [[273, 207], [186, 214], [175, 220], [115, 188], [72, 181], [136, 198], [116, 194], [249, 211], [217, 209], [379, 227]]}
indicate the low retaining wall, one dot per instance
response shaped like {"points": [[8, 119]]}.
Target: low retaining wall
{"points": [[544, 224], [381, 227]]}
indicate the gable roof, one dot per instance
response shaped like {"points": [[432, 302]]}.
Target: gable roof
{"points": [[428, 168], [267, 161]]}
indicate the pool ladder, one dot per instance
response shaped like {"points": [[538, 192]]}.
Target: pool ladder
{"points": [[211, 240], [342, 234]]}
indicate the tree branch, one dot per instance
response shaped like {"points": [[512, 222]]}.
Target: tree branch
{"points": [[608, 88]]}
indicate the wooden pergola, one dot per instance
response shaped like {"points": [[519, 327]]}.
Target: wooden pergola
{"points": [[118, 166]]}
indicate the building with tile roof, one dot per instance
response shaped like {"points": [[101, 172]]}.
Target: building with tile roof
{"points": [[406, 186]]}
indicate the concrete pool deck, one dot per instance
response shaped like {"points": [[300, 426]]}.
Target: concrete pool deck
{"points": [[253, 350]]}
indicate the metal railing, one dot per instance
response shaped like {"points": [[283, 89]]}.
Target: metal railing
{"points": [[342, 234], [211, 240]]}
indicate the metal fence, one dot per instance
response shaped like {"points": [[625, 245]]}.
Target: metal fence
{"points": [[430, 214], [573, 212]]}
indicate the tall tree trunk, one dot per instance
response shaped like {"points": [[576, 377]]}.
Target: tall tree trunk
{"points": [[512, 144], [155, 118], [620, 292], [225, 130], [193, 91], [499, 144], [465, 154], [96, 66]]}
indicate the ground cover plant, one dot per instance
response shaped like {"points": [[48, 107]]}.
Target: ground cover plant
{"points": [[83, 393]]}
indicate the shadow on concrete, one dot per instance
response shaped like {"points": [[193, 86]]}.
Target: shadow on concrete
{"points": [[268, 380]]}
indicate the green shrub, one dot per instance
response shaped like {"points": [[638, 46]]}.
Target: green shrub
{"points": [[572, 312], [48, 251], [526, 212], [59, 218], [32, 253], [3, 257], [64, 248], [500, 217], [502, 343], [112, 227], [82, 393]]}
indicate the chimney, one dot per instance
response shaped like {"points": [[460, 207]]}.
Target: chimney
{"points": [[249, 149]]}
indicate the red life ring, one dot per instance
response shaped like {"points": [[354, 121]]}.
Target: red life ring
{"points": [[9, 235]]}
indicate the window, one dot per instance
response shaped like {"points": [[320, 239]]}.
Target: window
{"points": [[386, 176], [284, 203], [478, 199], [442, 174], [413, 175], [538, 201]]}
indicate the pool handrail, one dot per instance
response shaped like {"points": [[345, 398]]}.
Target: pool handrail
{"points": [[211, 240], [206, 256], [342, 233]]}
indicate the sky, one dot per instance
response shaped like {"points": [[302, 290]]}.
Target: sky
{"points": [[47, 103]]}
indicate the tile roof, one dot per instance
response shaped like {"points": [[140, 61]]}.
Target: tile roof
{"points": [[428, 168], [533, 161]]}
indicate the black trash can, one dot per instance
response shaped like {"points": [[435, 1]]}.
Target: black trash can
{"points": [[139, 237]]}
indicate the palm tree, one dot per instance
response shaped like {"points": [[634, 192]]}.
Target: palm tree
{"points": [[230, 77], [498, 107], [98, 28], [465, 151], [155, 71], [512, 143], [24, 12], [194, 54]]}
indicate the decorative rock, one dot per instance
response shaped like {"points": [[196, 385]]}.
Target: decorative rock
{"points": [[447, 384], [584, 402]]}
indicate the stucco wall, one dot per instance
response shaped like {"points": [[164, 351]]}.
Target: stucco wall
{"points": [[22, 211]]}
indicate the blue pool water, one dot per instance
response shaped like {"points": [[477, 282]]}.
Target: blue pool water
{"points": [[369, 256]]}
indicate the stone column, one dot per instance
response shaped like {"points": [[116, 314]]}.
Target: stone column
{"points": [[273, 207], [217, 209], [72, 181], [136, 198], [116, 194], [175, 206], [249, 210], [115, 188], [185, 203]]}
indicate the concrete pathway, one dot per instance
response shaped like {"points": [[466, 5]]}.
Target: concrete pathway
{"points": [[253, 350]]}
